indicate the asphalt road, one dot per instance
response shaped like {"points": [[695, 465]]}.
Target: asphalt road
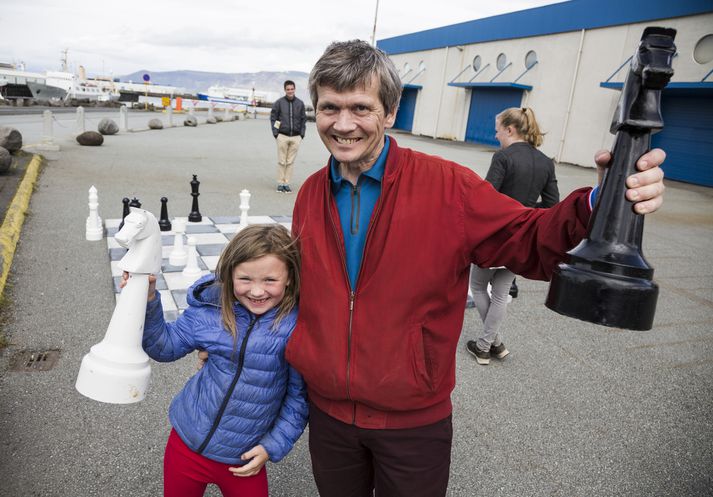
{"points": [[575, 410]]}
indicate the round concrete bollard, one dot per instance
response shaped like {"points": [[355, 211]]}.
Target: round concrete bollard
{"points": [[108, 127], [10, 139], [90, 139], [5, 160]]}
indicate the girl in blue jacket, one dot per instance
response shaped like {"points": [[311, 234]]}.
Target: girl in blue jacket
{"points": [[246, 405]]}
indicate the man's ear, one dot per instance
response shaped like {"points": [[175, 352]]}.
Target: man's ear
{"points": [[390, 118]]}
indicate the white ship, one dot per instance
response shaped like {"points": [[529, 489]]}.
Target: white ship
{"points": [[237, 96], [16, 83]]}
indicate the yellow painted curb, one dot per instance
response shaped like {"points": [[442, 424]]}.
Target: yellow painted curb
{"points": [[15, 217]]}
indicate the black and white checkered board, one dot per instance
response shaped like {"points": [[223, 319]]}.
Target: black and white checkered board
{"points": [[211, 234]]}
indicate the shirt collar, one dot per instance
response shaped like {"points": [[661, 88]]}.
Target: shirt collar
{"points": [[375, 172]]}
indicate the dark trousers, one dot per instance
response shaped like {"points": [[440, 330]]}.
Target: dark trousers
{"points": [[348, 461]]}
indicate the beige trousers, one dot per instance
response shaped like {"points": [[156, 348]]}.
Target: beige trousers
{"points": [[286, 151]]}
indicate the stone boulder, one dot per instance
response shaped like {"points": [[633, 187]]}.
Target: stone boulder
{"points": [[155, 124], [108, 127], [90, 138], [190, 121], [210, 120], [5, 160], [10, 139]]}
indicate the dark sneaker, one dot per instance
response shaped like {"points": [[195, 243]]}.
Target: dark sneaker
{"points": [[499, 352], [483, 358], [287, 189], [280, 189], [513, 289]]}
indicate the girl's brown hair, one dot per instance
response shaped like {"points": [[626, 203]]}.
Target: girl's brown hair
{"points": [[251, 243], [524, 122]]}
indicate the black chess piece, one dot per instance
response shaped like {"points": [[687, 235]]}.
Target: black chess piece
{"points": [[606, 279], [195, 215], [125, 211], [164, 224], [135, 202]]}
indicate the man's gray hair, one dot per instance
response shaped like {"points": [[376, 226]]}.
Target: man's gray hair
{"points": [[346, 65]]}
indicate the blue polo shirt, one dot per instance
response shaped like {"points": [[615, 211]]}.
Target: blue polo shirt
{"points": [[355, 205]]}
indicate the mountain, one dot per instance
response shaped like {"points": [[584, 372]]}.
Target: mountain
{"points": [[200, 81]]}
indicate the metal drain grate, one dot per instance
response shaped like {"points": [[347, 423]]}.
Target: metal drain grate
{"points": [[33, 360]]}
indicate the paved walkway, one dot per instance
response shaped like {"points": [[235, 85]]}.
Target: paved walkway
{"points": [[575, 410]]}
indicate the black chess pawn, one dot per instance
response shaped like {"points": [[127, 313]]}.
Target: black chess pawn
{"points": [[195, 215], [164, 224], [125, 211]]}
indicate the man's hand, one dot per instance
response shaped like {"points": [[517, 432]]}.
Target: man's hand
{"points": [[258, 456], [202, 358], [646, 187]]}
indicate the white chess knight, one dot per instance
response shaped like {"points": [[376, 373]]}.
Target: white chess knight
{"points": [[117, 370]]}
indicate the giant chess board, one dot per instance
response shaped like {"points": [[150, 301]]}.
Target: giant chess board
{"points": [[211, 234]]}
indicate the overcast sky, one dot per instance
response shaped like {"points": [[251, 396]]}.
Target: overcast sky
{"points": [[120, 37]]}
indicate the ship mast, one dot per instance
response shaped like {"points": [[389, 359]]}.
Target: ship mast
{"points": [[63, 59]]}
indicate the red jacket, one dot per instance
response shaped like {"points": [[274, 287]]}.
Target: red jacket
{"points": [[384, 355]]}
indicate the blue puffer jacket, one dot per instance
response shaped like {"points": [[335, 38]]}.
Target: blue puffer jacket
{"points": [[246, 394]]}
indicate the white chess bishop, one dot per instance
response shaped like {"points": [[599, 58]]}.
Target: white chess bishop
{"points": [[117, 370]]}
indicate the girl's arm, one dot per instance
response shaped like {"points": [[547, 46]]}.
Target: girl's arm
{"points": [[165, 342], [291, 420]]}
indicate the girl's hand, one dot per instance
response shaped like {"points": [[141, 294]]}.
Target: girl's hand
{"points": [[259, 457], [152, 285]]}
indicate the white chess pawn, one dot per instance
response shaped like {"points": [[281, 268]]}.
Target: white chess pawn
{"points": [[178, 255], [244, 206], [94, 228], [192, 272]]}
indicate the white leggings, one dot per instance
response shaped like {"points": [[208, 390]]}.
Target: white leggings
{"points": [[491, 308]]}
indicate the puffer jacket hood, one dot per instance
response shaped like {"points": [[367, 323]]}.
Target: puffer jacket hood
{"points": [[205, 291], [246, 394]]}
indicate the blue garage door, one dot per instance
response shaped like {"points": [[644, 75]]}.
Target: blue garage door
{"points": [[485, 104], [407, 109], [687, 137]]}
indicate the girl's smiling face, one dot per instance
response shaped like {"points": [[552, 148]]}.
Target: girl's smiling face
{"points": [[259, 284]]}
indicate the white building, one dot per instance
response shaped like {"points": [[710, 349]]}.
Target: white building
{"points": [[566, 61]]}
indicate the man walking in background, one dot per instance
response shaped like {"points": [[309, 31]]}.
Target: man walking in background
{"points": [[287, 121]]}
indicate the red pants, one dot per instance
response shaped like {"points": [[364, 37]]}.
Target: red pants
{"points": [[348, 461], [186, 474]]}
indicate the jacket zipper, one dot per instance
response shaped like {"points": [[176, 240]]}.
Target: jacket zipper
{"points": [[229, 393], [291, 124], [352, 293]]}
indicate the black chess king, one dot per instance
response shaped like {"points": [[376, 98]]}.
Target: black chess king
{"points": [[606, 279]]}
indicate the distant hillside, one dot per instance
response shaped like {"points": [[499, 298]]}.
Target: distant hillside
{"points": [[200, 81]]}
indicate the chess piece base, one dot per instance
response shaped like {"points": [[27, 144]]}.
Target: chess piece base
{"points": [[112, 382], [602, 298]]}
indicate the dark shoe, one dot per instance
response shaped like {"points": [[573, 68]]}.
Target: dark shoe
{"points": [[483, 358], [280, 189], [499, 352], [287, 189], [513, 289]]}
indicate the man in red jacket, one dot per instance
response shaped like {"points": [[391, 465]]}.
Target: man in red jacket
{"points": [[387, 236]]}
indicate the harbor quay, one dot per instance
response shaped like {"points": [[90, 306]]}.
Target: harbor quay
{"points": [[576, 409]]}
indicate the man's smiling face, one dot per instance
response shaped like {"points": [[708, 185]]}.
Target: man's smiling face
{"points": [[352, 123]]}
